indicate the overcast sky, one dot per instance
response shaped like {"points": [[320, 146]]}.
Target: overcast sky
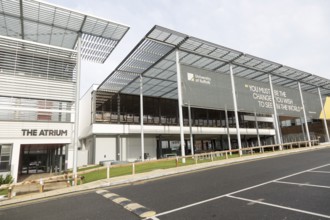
{"points": [[295, 33]]}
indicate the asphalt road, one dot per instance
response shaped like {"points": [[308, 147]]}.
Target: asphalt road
{"points": [[287, 187]]}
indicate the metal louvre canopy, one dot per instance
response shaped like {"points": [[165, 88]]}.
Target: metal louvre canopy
{"points": [[57, 26], [154, 58]]}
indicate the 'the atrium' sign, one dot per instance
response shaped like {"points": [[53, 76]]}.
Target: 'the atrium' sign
{"points": [[44, 132]]}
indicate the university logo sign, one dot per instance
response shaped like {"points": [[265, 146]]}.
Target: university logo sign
{"points": [[199, 78]]}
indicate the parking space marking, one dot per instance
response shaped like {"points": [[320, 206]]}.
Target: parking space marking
{"points": [[238, 191], [279, 206], [302, 184], [319, 171]]}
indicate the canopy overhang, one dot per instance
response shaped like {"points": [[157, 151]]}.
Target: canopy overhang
{"points": [[154, 59], [46, 23]]}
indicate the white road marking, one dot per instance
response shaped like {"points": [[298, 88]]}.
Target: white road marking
{"points": [[302, 184], [319, 171], [101, 191], [152, 218], [281, 207], [238, 191], [131, 206]]}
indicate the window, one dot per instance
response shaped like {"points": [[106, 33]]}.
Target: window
{"points": [[5, 156]]}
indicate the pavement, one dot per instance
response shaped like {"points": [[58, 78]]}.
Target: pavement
{"points": [[129, 179]]}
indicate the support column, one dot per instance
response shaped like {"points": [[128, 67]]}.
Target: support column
{"points": [[118, 108], [228, 134], [190, 131], [257, 127], [66, 158], [61, 159], [141, 117], [93, 113], [324, 116], [302, 128], [235, 110], [275, 112], [178, 69], [118, 147], [76, 122], [305, 117]]}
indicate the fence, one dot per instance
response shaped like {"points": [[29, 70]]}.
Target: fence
{"points": [[145, 166]]}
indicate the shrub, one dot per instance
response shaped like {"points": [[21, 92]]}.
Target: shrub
{"points": [[6, 180]]}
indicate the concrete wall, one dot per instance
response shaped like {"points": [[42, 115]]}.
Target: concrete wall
{"points": [[133, 147], [11, 133], [82, 158], [89, 146], [105, 149], [85, 112]]}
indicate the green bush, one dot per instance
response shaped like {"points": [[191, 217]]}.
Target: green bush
{"points": [[6, 180]]}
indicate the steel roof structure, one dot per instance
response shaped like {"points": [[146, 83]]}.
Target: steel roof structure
{"points": [[154, 58], [57, 26]]}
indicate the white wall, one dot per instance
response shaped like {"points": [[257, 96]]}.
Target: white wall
{"points": [[90, 148], [133, 147], [105, 149], [11, 133], [85, 110], [126, 129], [82, 158]]}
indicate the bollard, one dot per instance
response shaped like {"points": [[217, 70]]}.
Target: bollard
{"points": [[42, 185], [108, 171], [212, 157], [68, 182], [196, 160], [177, 161], [226, 155], [10, 191], [133, 168]]}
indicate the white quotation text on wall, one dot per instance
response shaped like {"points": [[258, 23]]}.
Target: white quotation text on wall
{"points": [[264, 98]]}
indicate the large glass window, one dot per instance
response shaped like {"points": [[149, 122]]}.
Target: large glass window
{"points": [[23, 109], [5, 157], [123, 108]]}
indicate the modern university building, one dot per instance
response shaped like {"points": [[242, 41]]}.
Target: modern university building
{"points": [[41, 46], [175, 95], [172, 95]]}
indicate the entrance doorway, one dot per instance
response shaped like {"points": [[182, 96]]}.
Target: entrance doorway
{"points": [[41, 158]]}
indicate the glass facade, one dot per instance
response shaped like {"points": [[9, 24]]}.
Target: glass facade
{"points": [[125, 109], [5, 157], [24, 109]]}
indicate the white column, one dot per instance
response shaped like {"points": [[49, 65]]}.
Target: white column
{"points": [[324, 118], [235, 110], [275, 112], [302, 127], [178, 69], [257, 127], [304, 112], [141, 117], [76, 122], [228, 134], [190, 130]]}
